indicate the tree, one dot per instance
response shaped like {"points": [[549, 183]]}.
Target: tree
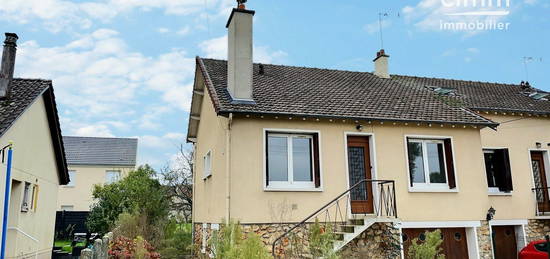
{"points": [[428, 249], [138, 193], [178, 179]]}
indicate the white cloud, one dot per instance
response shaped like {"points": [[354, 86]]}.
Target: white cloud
{"points": [[374, 27], [94, 131], [217, 48], [473, 50], [57, 15], [99, 75], [163, 30], [184, 31]]}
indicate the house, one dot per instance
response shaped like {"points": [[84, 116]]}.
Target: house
{"points": [[91, 161], [29, 120], [381, 157]]}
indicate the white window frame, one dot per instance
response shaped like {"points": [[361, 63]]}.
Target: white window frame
{"points": [[72, 180], [110, 171], [292, 185], [427, 186], [67, 208], [207, 165], [25, 205]]}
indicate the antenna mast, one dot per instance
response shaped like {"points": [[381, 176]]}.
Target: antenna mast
{"points": [[380, 25]]}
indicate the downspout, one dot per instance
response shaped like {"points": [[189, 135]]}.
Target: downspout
{"points": [[6, 202], [228, 169]]}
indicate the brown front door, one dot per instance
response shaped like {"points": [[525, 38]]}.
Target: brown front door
{"points": [[504, 242], [359, 169], [541, 185], [454, 244]]}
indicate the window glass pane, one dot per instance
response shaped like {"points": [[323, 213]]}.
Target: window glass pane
{"points": [[490, 168], [416, 164], [301, 159], [112, 176], [436, 162], [277, 159]]}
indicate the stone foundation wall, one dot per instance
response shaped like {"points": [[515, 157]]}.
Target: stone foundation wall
{"points": [[536, 229], [484, 241], [379, 241]]}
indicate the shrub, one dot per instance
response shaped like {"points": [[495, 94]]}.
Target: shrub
{"points": [[230, 243], [428, 249], [321, 241], [125, 248]]}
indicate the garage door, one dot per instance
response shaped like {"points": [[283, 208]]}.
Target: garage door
{"points": [[454, 241]]}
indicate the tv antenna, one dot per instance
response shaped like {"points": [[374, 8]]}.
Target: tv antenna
{"points": [[380, 15], [527, 60]]}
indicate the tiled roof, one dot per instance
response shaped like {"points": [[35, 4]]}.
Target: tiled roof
{"points": [[304, 91], [485, 96], [23, 93], [100, 151]]}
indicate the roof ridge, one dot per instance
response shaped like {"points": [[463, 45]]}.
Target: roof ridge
{"points": [[130, 138], [33, 79], [293, 66]]}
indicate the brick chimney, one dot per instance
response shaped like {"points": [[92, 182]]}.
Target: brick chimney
{"points": [[381, 64], [8, 64], [239, 56]]}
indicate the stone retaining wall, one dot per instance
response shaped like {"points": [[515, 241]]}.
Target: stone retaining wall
{"points": [[379, 241], [536, 229]]}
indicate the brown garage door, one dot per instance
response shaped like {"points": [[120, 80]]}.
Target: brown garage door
{"points": [[454, 241], [504, 241]]}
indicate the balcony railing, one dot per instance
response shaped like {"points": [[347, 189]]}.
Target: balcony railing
{"points": [[542, 201], [375, 198]]}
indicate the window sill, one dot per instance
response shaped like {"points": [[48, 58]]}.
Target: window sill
{"points": [[427, 189], [493, 193], [268, 189], [67, 186]]}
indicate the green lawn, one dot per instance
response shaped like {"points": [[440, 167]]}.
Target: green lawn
{"points": [[66, 245]]}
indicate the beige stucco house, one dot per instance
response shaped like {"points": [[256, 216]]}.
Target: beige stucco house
{"points": [[29, 120], [91, 161], [276, 144]]}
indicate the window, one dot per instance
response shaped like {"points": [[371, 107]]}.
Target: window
{"points": [[497, 169], [207, 166], [292, 161], [112, 176], [26, 194], [67, 207], [72, 178], [431, 163]]}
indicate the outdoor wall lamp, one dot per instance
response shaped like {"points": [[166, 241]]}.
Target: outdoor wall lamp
{"points": [[491, 213], [359, 127], [538, 144]]}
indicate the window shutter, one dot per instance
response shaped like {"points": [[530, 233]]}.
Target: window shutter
{"points": [[409, 154], [504, 178], [316, 164], [450, 163], [266, 159]]}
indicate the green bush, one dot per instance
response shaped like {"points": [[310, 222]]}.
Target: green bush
{"points": [[427, 249], [230, 243], [321, 241]]}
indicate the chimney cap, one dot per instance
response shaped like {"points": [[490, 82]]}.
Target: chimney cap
{"points": [[237, 10], [11, 38], [380, 54]]}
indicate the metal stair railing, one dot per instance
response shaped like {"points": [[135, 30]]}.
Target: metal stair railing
{"points": [[337, 216]]}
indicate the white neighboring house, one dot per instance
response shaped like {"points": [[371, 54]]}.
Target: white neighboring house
{"points": [[91, 161], [29, 120]]}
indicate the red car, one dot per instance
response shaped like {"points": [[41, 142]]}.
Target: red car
{"points": [[534, 250]]}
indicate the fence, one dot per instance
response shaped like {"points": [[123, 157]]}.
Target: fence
{"points": [[100, 248]]}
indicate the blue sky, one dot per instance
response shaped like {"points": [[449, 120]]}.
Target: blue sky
{"points": [[125, 68]]}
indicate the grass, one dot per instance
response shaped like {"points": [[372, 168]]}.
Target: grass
{"points": [[66, 245]]}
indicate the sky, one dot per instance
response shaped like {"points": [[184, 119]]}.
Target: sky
{"points": [[125, 68]]}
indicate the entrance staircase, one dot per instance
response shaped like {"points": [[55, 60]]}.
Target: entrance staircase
{"points": [[336, 217]]}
